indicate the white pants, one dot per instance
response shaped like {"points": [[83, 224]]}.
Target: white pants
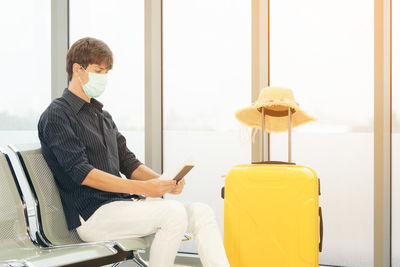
{"points": [[169, 219]]}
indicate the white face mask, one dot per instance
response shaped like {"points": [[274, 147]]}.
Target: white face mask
{"points": [[96, 84]]}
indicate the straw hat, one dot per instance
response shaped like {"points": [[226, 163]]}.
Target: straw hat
{"points": [[276, 101]]}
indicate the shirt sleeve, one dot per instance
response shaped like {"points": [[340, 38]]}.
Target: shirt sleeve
{"points": [[57, 133], [128, 162]]}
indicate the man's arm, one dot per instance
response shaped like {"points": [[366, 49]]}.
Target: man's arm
{"points": [[128, 163], [144, 173], [130, 166], [107, 182]]}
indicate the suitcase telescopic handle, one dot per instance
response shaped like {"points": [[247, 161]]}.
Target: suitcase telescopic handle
{"points": [[321, 230], [263, 113]]}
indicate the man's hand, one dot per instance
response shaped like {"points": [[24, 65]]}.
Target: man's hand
{"points": [[179, 187], [158, 188]]}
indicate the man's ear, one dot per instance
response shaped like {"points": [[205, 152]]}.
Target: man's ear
{"points": [[76, 68]]}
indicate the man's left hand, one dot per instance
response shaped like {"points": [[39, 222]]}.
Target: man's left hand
{"points": [[179, 187]]}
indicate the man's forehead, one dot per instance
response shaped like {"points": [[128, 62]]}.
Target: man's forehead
{"points": [[100, 66]]}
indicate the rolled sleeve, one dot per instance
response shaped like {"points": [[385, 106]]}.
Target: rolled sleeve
{"points": [[57, 133], [80, 171]]}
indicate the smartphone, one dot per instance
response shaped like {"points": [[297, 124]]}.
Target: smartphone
{"points": [[185, 169]]}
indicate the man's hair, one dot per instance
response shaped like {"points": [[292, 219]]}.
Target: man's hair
{"points": [[88, 51]]}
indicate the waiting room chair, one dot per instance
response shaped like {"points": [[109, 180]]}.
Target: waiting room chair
{"points": [[16, 246], [50, 219]]}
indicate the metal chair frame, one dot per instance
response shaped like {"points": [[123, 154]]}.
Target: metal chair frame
{"points": [[40, 234]]}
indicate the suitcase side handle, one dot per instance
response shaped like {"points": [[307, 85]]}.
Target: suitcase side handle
{"points": [[321, 230]]}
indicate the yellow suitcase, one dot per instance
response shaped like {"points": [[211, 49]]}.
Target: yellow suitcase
{"points": [[271, 214]]}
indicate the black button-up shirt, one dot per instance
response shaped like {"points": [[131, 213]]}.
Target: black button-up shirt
{"points": [[76, 137]]}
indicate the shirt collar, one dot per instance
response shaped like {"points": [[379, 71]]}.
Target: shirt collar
{"points": [[97, 104], [77, 103]]}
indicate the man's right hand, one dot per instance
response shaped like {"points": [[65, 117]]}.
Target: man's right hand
{"points": [[158, 188]]}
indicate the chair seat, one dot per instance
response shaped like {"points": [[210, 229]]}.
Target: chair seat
{"points": [[128, 244], [57, 256]]}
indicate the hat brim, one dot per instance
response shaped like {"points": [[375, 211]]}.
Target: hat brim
{"points": [[250, 116]]}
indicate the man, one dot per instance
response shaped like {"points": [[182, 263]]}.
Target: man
{"points": [[86, 153]]}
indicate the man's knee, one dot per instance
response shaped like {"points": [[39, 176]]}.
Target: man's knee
{"points": [[176, 214], [200, 214], [199, 209]]}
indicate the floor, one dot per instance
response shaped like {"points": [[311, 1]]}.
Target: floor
{"points": [[181, 260]]}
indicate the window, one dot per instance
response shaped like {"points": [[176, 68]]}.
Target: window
{"points": [[25, 67], [26, 75], [324, 53], [121, 26], [207, 77]]}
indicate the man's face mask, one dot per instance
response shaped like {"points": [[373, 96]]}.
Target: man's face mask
{"points": [[96, 84]]}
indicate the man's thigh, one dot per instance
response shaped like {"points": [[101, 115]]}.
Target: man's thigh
{"points": [[124, 219]]}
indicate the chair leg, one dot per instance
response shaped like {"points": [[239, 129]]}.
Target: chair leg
{"points": [[129, 257], [137, 259], [117, 263]]}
